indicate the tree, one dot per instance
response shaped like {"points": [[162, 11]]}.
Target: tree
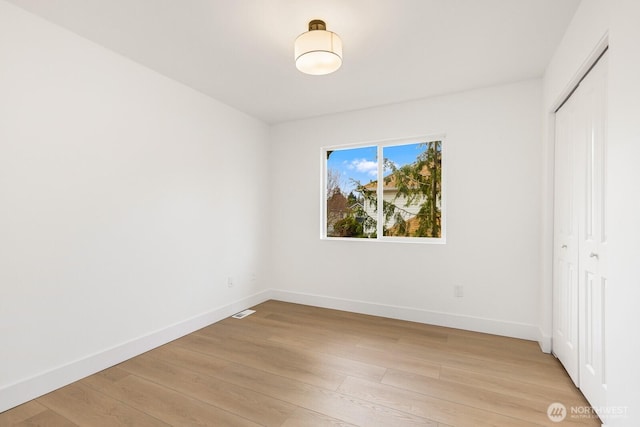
{"points": [[348, 227], [334, 181], [418, 184], [338, 206]]}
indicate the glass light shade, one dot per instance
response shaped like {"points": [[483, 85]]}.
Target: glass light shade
{"points": [[318, 52]]}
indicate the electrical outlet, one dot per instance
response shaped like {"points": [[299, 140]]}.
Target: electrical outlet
{"points": [[458, 291], [230, 281]]}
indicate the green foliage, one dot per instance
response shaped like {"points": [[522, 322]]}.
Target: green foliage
{"points": [[348, 227], [352, 199], [418, 183]]}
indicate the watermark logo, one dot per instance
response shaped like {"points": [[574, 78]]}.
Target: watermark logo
{"points": [[557, 412]]}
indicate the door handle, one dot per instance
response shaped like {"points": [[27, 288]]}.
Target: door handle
{"points": [[563, 247], [594, 255]]}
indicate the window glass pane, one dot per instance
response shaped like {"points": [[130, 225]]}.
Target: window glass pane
{"points": [[412, 190], [351, 181]]}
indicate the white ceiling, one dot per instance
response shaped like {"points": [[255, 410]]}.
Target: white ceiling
{"points": [[241, 51]]}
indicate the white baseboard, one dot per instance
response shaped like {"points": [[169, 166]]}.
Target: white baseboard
{"points": [[451, 320], [544, 340], [31, 388]]}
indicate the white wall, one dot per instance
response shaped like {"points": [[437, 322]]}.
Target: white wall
{"points": [[125, 201], [623, 348], [617, 20], [493, 202]]}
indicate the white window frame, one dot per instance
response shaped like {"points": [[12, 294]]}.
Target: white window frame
{"points": [[380, 145]]}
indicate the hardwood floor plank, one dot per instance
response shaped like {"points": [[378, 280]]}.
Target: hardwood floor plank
{"points": [[381, 357], [47, 418], [353, 323], [568, 395], [501, 346], [106, 378], [482, 348], [349, 325], [241, 401], [185, 356], [170, 406], [540, 373], [305, 418], [318, 331], [21, 413], [331, 403], [85, 406], [529, 409], [294, 364], [264, 347], [422, 405]]}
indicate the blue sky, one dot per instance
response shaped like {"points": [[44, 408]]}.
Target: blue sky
{"points": [[360, 163]]}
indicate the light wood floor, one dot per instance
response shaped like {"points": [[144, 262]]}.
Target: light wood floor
{"points": [[293, 365]]}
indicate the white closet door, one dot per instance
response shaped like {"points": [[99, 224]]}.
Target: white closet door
{"points": [[565, 265], [593, 239], [580, 235]]}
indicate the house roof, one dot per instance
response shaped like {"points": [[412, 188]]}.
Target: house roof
{"points": [[390, 182]]}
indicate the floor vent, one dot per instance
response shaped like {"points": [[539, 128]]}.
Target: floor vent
{"points": [[243, 314]]}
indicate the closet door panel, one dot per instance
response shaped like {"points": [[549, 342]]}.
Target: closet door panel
{"points": [[593, 241], [565, 295]]}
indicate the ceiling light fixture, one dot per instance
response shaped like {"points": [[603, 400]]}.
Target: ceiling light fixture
{"points": [[318, 51]]}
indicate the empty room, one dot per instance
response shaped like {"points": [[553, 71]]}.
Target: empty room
{"points": [[319, 213]]}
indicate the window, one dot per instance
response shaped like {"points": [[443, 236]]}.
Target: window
{"points": [[384, 191]]}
